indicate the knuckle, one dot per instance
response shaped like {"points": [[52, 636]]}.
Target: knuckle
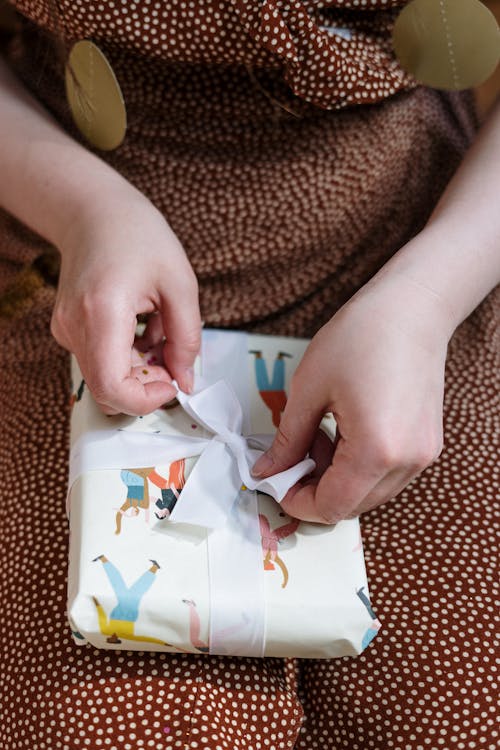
{"points": [[192, 341], [388, 453], [102, 389], [187, 283], [427, 454], [58, 326], [55, 326]]}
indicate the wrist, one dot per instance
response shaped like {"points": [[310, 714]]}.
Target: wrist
{"points": [[102, 201], [426, 272], [401, 294]]}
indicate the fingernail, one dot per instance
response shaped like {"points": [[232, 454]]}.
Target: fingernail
{"points": [[189, 379], [262, 465]]}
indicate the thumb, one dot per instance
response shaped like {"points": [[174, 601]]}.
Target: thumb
{"points": [[182, 327], [295, 434]]}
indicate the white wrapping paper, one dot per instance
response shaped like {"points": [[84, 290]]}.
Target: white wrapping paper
{"points": [[140, 579]]}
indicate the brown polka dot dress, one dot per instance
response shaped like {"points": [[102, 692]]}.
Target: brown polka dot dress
{"points": [[292, 157]]}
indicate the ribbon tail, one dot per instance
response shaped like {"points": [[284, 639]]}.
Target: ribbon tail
{"points": [[237, 590]]}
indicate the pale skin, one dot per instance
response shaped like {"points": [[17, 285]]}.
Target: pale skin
{"points": [[378, 364]]}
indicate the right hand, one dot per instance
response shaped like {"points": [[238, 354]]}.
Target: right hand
{"points": [[121, 261]]}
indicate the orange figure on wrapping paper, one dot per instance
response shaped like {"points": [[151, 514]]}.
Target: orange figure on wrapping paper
{"points": [[270, 540], [272, 393], [171, 487]]}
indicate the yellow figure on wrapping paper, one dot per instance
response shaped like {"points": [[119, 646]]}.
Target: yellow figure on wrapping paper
{"points": [[122, 619], [272, 392], [138, 496], [270, 540]]}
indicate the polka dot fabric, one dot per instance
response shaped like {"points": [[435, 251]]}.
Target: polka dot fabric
{"points": [[430, 681], [311, 203], [332, 53], [283, 218], [54, 695], [332, 59]]}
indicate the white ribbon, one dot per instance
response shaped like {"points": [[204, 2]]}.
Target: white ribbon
{"points": [[211, 498]]}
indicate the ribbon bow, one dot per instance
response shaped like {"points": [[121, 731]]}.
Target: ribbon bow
{"points": [[224, 464]]}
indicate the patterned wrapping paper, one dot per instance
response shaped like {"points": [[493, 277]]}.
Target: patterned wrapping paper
{"points": [[138, 581]]}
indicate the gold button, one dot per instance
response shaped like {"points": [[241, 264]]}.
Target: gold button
{"points": [[95, 97], [447, 44]]}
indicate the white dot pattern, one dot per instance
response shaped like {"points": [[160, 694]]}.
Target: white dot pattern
{"points": [[255, 192], [330, 69], [429, 681], [55, 695]]}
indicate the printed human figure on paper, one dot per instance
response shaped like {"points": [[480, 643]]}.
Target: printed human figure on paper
{"points": [[122, 619], [272, 392], [171, 487], [194, 627], [270, 540], [376, 624], [137, 498], [138, 494]]}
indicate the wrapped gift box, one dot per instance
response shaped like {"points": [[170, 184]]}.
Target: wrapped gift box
{"points": [[155, 564]]}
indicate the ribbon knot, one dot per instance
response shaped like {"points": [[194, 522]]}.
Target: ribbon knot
{"points": [[224, 464], [214, 482], [233, 441]]}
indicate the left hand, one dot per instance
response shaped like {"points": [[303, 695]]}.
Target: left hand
{"points": [[378, 366]]}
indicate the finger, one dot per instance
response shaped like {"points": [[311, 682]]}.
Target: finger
{"points": [[295, 434], [387, 489], [349, 479], [144, 374], [153, 333], [108, 342], [180, 315], [321, 451]]}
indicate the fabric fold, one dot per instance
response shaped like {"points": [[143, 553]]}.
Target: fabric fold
{"points": [[333, 54]]}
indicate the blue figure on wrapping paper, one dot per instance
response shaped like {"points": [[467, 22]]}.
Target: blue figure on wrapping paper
{"points": [[271, 392], [376, 624], [270, 540], [136, 482], [122, 619]]}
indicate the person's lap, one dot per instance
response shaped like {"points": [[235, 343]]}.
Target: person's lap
{"points": [[425, 681]]}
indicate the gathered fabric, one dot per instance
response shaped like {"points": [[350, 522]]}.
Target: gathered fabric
{"points": [[334, 54]]}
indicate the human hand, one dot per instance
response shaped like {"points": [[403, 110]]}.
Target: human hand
{"points": [[378, 366], [116, 263]]}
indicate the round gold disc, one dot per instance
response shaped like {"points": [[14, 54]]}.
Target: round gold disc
{"points": [[95, 97], [447, 44]]}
